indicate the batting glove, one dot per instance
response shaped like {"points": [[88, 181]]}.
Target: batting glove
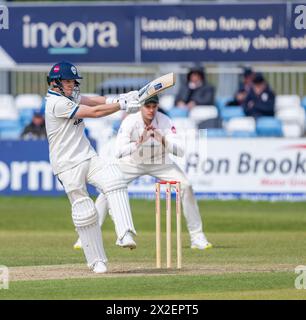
{"points": [[130, 106], [124, 99], [133, 106], [131, 95]]}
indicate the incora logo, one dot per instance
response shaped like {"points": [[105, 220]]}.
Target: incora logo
{"points": [[74, 35]]}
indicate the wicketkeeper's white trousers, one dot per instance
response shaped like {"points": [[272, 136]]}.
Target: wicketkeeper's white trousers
{"points": [[172, 172]]}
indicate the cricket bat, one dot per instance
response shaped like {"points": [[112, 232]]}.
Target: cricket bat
{"points": [[156, 86]]}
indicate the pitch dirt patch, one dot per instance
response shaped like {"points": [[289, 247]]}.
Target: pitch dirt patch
{"points": [[78, 271]]}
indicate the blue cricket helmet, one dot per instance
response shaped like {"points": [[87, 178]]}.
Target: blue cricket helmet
{"points": [[63, 71]]}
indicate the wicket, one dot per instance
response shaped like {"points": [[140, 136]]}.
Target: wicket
{"points": [[168, 223]]}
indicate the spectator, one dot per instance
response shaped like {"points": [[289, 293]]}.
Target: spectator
{"points": [[247, 80], [196, 91], [36, 129], [239, 98], [260, 100], [244, 88]]}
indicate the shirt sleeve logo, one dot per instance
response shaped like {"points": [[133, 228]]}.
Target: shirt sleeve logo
{"points": [[77, 122]]}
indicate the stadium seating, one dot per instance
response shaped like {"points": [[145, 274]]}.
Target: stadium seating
{"points": [[28, 101], [289, 121], [241, 126], [25, 116], [228, 113], [221, 102], [26, 105], [184, 124], [304, 103], [210, 124], [43, 106], [178, 113], [292, 130], [8, 109], [287, 102], [243, 134], [166, 101], [269, 127], [202, 113], [292, 115], [217, 133], [10, 129], [289, 110]]}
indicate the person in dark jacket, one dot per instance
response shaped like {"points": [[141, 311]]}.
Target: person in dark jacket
{"points": [[239, 98], [196, 91], [245, 86], [36, 129], [247, 79], [260, 100]]}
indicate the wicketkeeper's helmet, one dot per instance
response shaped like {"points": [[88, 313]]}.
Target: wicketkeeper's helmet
{"points": [[153, 99]]}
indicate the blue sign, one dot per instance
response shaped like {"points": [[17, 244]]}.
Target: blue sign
{"points": [[76, 33], [298, 32], [128, 33], [25, 171], [234, 32], [4, 17]]}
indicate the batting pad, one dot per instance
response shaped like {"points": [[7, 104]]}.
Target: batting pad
{"points": [[85, 219], [118, 202], [115, 189]]}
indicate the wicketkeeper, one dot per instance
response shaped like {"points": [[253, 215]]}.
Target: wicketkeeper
{"points": [[76, 163], [143, 145]]}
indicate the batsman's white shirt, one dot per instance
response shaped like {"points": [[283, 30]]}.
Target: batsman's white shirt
{"points": [[68, 145]]}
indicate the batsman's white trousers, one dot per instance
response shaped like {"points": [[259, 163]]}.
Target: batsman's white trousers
{"points": [[106, 177], [172, 172]]}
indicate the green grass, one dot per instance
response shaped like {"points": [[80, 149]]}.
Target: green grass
{"points": [[39, 231], [244, 286]]}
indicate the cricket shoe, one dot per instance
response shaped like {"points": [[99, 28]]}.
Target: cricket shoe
{"points": [[99, 267], [78, 245], [200, 242], [127, 241]]}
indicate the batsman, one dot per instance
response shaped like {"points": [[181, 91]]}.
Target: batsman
{"points": [[144, 143], [75, 162]]}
